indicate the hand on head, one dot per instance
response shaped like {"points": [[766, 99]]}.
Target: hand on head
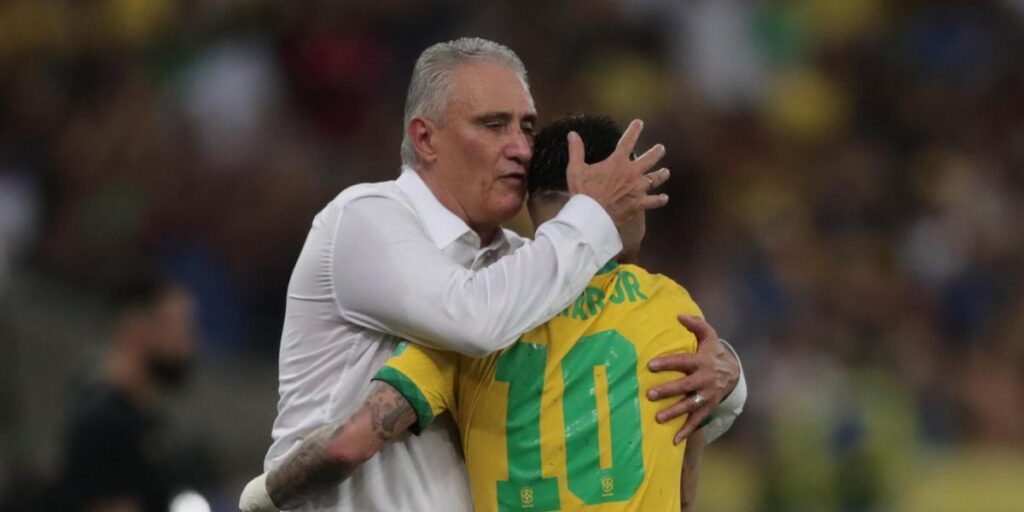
{"points": [[617, 183]]}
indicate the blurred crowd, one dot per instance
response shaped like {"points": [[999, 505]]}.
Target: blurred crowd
{"points": [[846, 202]]}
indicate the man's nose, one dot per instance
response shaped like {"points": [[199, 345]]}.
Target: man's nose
{"points": [[519, 147]]}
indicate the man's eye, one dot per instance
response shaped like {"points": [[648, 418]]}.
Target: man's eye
{"points": [[528, 129], [495, 125]]}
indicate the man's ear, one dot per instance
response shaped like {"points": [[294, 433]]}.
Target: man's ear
{"points": [[422, 133]]}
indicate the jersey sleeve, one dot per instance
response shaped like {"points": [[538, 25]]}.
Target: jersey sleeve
{"points": [[425, 377]]}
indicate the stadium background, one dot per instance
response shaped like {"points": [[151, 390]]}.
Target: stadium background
{"points": [[847, 196]]}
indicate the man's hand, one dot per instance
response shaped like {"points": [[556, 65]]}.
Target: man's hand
{"points": [[617, 183], [711, 374]]}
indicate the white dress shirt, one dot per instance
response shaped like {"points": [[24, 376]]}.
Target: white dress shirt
{"points": [[386, 261]]}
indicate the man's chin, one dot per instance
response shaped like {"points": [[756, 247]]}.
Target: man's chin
{"points": [[508, 206], [513, 186]]}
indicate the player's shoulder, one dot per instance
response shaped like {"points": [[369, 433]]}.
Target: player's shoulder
{"points": [[659, 285], [651, 278]]}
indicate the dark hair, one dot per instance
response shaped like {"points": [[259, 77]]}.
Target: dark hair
{"points": [[600, 135]]}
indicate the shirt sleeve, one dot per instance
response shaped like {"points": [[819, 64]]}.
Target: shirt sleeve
{"points": [[389, 276], [722, 418], [425, 377]]}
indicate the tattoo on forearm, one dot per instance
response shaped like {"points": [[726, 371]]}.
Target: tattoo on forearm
{"points": [[389, 408], [305, 471], [311, 468]]}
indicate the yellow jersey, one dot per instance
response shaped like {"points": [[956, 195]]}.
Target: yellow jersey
{"points": [[559, 420]]}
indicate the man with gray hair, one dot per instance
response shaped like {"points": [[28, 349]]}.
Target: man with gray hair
{"points": [[424, 258]]}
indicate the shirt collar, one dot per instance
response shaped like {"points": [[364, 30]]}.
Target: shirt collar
{"points": [[499, 239], [443, 226]]}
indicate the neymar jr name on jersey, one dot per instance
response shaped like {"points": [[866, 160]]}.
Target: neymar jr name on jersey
{"points": [[592, 300]]}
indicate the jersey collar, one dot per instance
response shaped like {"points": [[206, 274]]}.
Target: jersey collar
{"points": [[443, 226], [608, 267]]}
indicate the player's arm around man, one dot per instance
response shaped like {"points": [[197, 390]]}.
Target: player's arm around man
{"points": [[331, 453]]}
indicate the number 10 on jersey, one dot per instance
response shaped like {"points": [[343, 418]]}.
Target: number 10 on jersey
{"points": [[606, 353]]}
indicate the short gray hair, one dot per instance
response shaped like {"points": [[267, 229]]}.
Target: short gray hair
{"points": [[430, 88]]}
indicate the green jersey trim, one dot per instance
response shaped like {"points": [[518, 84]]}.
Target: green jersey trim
{"points": [[608, 267]]}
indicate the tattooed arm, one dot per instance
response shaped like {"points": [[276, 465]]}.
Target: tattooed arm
{"points": [[332, 452]]}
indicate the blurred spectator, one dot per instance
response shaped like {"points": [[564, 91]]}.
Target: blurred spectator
{"points": [[229, 95], [121, 454]]}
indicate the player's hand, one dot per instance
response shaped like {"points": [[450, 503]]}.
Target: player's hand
{"points": [[255, 497], [713, 372], [617, 183]]}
